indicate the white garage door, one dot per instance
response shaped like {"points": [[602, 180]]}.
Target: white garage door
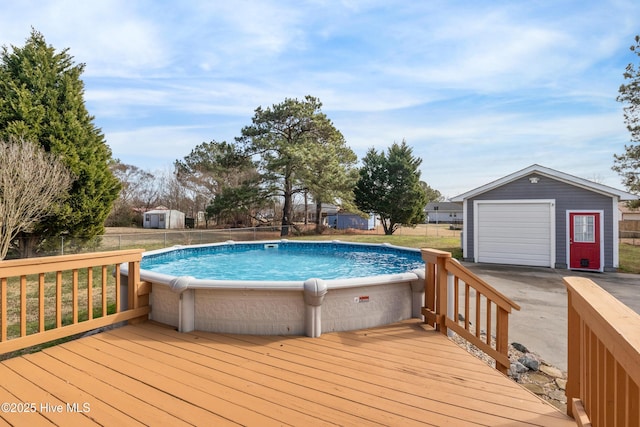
{"points": [[515, 233]]}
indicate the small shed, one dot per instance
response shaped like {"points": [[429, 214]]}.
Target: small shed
{"points": [[163, 218], [542, 217]]}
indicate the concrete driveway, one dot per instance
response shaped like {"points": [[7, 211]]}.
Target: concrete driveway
{"points": [[541, 323]]}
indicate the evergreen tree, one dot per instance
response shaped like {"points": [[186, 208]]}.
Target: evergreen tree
{"points": [[628, 164], [42, 100], [390, 187]]}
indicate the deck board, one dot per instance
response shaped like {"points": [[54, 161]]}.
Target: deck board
{"points": [[148, 374]]}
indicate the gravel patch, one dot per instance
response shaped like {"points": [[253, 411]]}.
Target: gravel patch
{"points": [[527, 369]]}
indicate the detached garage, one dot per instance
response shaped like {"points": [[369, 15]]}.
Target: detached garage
{"points": [[542, 217]]}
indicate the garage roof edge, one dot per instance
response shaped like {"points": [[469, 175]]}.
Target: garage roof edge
{"points": [[551, 173]]}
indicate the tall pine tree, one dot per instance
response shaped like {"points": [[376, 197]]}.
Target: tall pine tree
{"points": [[42, 100], [286, 138], [628, 163]]}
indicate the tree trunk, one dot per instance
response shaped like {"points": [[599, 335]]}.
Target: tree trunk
{"points": [[319, 226], [387, 226], [306, 208], [27, 244], [286, 212]]}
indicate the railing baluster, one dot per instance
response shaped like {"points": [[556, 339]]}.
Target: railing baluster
{"points": [[466, 306], [117, 276], [634, 403], [488, 322], [89, 293], [621, 392], [478, 325], [104, 290], [3, 309], [456, 299], [74, 295], [609, 388], [58, 299], [41, 315], [23, 305]]}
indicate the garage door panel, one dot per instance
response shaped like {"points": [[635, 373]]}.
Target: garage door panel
{"points": [[514, 233], [514, 250]]}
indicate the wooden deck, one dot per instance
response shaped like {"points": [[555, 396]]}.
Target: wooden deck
{"points": [[147, 374]]}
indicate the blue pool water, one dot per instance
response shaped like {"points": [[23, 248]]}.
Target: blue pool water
{"points": [[283, 261]]}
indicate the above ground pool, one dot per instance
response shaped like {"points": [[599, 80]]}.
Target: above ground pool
{"points": [[283, 287], [283, 260]]}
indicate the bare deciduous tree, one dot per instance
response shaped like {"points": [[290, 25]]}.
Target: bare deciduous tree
{"points": [[32, 181]]}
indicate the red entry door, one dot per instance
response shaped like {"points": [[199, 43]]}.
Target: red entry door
{"points": [[584, 240]]}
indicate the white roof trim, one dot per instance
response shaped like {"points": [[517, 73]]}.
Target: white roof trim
{"points": [[551, 173]]}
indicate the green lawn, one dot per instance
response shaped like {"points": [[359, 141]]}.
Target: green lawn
{"points": [[445, 243], [629, 258]]}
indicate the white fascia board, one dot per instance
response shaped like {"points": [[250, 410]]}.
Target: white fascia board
{"points": [[551, 173]]}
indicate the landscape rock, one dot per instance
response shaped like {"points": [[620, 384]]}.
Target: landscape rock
{"points": [[539, 378], [518, 367], [530, 361], [534, 388], [551, 371], [561, 383], [521, 348], [558, 395]]}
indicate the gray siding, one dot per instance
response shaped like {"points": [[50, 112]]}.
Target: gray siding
{"points": [[567, 197]]}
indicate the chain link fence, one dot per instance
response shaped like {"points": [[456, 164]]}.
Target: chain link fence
{"points": [[150, 239]]}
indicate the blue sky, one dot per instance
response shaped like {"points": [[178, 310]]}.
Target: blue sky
{"points": [[479, 89]]}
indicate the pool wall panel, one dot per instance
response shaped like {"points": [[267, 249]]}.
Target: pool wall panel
{"points": [[250, 312], [364, 307], [165, 305]]}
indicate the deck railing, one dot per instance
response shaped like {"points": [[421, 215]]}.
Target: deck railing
{"points": [[86, 291], [603, 357], [453, 292]]}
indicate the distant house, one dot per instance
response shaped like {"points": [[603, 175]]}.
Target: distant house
{"points": [[543, 217], [342, 221], [163, 218], [627, 213], [443, 213], [299, 211]]}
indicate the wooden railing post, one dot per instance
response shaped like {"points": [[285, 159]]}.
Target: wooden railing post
{"points": [[137, 297], [502, 338], [441, 292], [603, 357], [430, 293], [574, 344], [435, 292]]}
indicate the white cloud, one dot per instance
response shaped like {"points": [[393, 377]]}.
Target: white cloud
{"points": [[111, 36], [159, 145]]}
